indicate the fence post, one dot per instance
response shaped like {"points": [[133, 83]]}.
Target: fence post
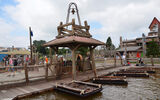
{"points": [[115, 60], [26, 73], [46, 72], [152, 61]]}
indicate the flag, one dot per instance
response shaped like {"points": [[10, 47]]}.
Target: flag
{"points": [[138, 55], [31, 33]]}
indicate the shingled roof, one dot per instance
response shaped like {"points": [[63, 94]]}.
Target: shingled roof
{"points": [[74, 40], [131, 48]]}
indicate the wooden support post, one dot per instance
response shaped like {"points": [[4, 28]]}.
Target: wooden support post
{"points": [[56, 61], [115, 60], [86, 26], [73, 64], [73, 49], [50, 55], [152, 61], [59, 28], [93, 61], [26, 73], [46, 71], [73, 25]]}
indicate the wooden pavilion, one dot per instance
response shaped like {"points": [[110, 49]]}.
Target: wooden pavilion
{"points": [[73, 38]]}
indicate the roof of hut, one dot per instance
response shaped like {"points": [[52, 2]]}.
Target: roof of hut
{"points": [[73, 39]]}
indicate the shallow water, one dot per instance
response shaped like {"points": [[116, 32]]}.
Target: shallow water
{"points": [[137, 89]]}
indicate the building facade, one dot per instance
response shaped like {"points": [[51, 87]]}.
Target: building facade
{"points": [[138, 45]]}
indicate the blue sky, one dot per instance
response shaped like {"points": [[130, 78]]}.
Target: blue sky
{"points": [[3, 14], [17, 31], [114, 18]]}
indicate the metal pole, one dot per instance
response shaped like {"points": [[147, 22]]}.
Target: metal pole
{"points": [[30, 44]]}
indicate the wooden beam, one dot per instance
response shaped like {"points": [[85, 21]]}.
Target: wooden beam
{"points": [[73, 49], [55, 60], [26, 73], [46, 71], [82, 31], [87, 27], [69, 31], [59, 29], [120, 58], [50, 55], [64, 34], [64, 25], [115, 60], [93, 60], [73, 64], [81, 27], [73, 25]]}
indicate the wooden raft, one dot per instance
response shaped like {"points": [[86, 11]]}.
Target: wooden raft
{"points": [[137, 71], [131, 74], [117, 80], [78, 88]]}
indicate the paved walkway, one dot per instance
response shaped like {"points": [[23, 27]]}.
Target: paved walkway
{"points": [[9, 94]]}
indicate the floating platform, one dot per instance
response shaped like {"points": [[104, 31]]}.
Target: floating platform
{"points": [[145, 69], [137, 71], [131, 74], [116, 80], [78, 88]]}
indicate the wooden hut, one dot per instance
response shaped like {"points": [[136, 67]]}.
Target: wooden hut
{"points": [[73, 38]]}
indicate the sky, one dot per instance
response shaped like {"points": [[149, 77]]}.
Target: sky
{"points": [[114, 18]]}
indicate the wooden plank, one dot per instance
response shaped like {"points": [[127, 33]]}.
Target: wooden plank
{"points": [[31, 88], [23, 90], [43, 86], [10, 94], [61, 26], [73, 64], [17, 92], [4, 94], [81, 27], [69, 31]]}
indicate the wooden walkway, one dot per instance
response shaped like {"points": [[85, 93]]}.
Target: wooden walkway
{"points": [[9, 94]]}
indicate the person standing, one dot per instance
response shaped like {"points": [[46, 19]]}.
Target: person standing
{"points": [[11, 67], [124, 59], [27, 59], [46, 60]]}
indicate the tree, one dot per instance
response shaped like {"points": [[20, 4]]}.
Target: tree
{"points": [[40, 48], [62, 51], [83, 51], [152, 49], [109, 47], [109, 44]]}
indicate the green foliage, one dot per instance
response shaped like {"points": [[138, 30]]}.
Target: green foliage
{"points": [[109, 44], [40, 48], [83, 51], [152, 49], [62, 51]]}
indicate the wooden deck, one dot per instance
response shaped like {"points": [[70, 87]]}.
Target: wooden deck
{"points": [[10, 93]]}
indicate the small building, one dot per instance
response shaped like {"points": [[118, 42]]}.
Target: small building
{"points": [[139, 44]]}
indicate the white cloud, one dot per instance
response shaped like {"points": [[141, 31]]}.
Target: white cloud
{"points": [[124, 18]]}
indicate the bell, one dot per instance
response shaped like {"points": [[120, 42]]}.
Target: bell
{"points": [[73, 11]]}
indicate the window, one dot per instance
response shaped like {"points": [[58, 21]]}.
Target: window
{"points": [[155, 28]]}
